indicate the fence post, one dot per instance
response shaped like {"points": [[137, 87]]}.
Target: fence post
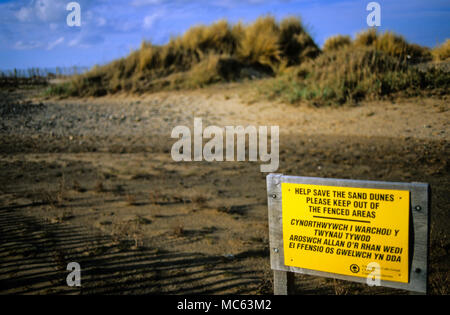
{"points": [[283, 282]]}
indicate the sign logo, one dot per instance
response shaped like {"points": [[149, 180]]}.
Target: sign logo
{"points": [[354, 268]]}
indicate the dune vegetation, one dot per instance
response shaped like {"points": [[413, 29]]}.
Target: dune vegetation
{"points": [[296, 69], [371, 66], [201, 56], [442, 52]]}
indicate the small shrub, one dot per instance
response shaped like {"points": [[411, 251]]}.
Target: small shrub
{"points": [[63, 89]]}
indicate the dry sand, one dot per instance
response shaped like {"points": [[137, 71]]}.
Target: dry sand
{"points": [[92, 181]]}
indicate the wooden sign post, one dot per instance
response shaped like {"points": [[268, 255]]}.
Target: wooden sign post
{"points": [[364, 231]]}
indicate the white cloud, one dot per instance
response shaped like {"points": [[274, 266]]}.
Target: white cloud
{"points": [[24, 14], [50, 10], [74, 42], [40, 10], [225, 3], [86, 40], [138, 3], [101, 21], [26, 45], [52, 45], [149, 20]]}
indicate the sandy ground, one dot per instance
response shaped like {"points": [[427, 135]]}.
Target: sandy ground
{"points": [[93, 181]]}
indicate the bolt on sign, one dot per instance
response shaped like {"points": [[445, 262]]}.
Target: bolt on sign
{"points": [[343, 228]]}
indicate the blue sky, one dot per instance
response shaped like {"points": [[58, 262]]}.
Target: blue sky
{"points": [[34, 33]]}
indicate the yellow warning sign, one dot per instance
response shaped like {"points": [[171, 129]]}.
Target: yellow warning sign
{"points": [[345, 230]]}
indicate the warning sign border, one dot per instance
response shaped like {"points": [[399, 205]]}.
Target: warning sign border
{"points": [[418, 236]]}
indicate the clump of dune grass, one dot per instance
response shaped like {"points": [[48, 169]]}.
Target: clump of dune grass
{"points": [[296, 44], [203, 55], [392, 44], [255, 48], [388, 42], [442, 52], [352, 74], [336, 42]]}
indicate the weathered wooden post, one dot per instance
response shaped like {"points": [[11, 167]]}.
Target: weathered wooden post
{"points": [[364, 231]]}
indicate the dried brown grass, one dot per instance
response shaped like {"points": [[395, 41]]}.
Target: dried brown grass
{"points": [[201, 56]]}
